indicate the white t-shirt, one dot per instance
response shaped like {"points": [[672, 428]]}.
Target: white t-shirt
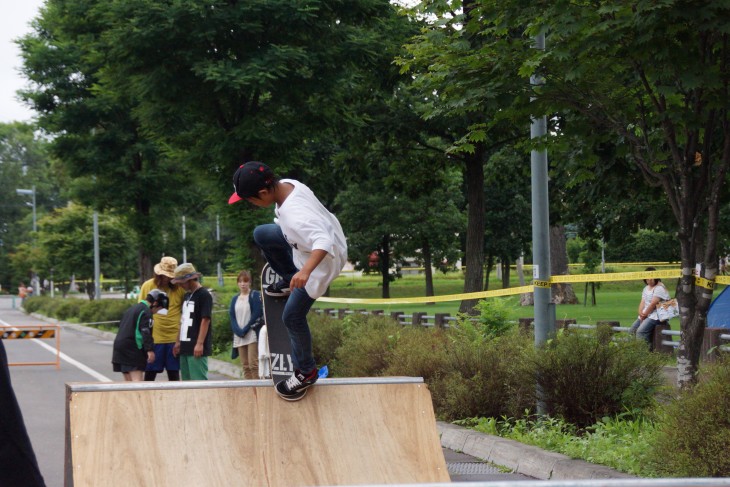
{"points": [[648, 294], [243, 315], [307, 225]]}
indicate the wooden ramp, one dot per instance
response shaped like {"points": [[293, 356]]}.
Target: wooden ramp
{"points": [[221, 433]]}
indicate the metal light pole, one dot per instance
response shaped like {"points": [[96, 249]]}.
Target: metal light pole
{"points": [[544, 307], [185, 254], [31, 192], [97, 273]]}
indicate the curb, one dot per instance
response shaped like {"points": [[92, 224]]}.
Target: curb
{"points": [[520, 458]]}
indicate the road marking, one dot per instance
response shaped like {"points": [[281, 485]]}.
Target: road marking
{"points": [[84, 368]]}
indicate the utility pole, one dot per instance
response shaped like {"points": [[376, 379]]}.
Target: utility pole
{"points": [[544, 308], [97, 271], [185, 255]]}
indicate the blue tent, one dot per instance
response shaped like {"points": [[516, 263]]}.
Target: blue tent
{"points": [[718, 315]]}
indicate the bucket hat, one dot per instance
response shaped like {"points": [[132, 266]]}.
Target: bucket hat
{"points": [[166, 267], [185, 272]]}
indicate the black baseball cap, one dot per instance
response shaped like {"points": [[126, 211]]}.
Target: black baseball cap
{"points": [[249, 179]]}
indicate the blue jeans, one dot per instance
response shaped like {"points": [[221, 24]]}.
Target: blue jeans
{"points": [[278, 254], [645, 330]]}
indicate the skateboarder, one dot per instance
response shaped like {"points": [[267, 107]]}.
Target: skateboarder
{"points": [[305, 246]]}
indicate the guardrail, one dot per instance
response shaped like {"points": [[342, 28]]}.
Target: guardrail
{"points": [[716, 340]]}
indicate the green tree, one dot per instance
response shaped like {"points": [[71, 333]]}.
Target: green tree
{"points": [[24, 164], [469, 94], [66, 242], [111, 163], [667, 100]]}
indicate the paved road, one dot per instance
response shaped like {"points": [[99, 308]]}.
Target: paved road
{"points": [[87, 358], [41, 390]]}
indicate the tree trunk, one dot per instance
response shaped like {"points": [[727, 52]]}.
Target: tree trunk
{"points": [[474, 254], [562, 293], [428, 271], [488, 271], [505, 272], [384, 254], [146, 266]]}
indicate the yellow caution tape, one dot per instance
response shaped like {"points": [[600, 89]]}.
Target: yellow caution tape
{"points": [[705, 283], [609, 277]]}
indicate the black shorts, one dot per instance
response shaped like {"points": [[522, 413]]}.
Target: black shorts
{"points": [[126, 368]]}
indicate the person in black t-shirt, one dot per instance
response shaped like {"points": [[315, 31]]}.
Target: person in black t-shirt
{"points": [[194, 343]]}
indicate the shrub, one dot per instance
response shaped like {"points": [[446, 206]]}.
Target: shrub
{"points": [[366, 341], [416, 351], [694, 431], [327, 337], [67, 308], [32, 305], [485, 377], [102, 309], [584, 376], [493, 318], [222, 338]]}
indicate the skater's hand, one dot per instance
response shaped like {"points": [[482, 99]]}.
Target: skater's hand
{"points": [[198, 350], [299, 279], [150, 357]]}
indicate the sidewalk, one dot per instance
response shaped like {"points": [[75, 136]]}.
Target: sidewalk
{"points": [[519, 458]]}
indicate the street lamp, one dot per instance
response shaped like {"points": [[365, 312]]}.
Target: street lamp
{"points": [[34, 280], [32, 193]]}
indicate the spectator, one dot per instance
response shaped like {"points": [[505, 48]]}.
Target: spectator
{"points": [[166, 327], [245, 311], [654, 292], [194, 345], [22, 292], [133, 345]]}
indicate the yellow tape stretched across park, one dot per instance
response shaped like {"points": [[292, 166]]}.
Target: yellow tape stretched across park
{"points": [[575, 278]]}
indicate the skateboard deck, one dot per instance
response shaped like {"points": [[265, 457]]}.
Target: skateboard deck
{"points": [[282, 365]]}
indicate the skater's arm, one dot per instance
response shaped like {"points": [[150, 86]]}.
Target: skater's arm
{"points": [[300, 278]]}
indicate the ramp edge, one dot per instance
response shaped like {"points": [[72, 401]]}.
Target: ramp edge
{"points": [[226, 384]]}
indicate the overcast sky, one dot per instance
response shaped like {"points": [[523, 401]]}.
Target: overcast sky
{"points": [[14, 22]]}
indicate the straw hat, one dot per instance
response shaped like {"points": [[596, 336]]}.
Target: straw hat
{"points": [[166, 267], [185, 272]]}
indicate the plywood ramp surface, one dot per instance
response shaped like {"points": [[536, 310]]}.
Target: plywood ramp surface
{"points": [[339, 434]]}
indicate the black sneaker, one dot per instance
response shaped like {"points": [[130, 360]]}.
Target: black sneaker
{"points": [[296, 386], [279, 289]]}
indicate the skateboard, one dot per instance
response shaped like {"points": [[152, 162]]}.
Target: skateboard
{"points": [[282, 365]]}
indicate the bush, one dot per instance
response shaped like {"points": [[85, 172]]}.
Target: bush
{"points": [[584, 376], [101, 310], [694, 431], [365, 345], [67, 308], [222, 338], [327, 336], [34, 304], [485, 377]]}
